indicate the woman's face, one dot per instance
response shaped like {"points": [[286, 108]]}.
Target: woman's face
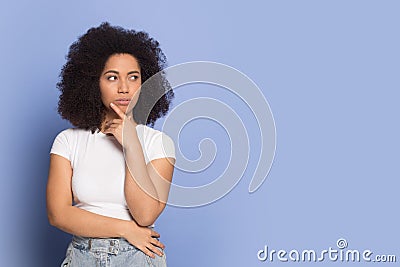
{"points": [[120, 82]]}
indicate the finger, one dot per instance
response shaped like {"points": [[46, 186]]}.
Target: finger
{"points": [[110, 129], [158, 243], [117, 110], [114, 122], [119, 121], [108, 132], [155, 250], [154, 234], [148, 252]]}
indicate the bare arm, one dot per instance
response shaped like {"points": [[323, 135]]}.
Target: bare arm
{"points": [[146, 185], [76, 221]]}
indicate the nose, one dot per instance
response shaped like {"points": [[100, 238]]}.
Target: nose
{"points": [[123, 87]]}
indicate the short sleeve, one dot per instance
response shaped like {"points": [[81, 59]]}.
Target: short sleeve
{"points": [[61, 146], [161, 146]]}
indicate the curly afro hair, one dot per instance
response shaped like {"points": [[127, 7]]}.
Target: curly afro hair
{"points": [[80, 99]]}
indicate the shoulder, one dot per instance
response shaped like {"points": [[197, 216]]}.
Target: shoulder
{"points": [[151, 135], [72, 133], [66, 142], [156, 144]]}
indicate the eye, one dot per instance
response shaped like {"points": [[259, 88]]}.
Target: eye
{"points": [[133, 77], [112, 78]]}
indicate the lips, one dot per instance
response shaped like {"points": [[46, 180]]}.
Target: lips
{"points": [[122, 102]]}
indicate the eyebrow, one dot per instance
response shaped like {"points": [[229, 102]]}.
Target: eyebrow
{"points": [[116, 72]]}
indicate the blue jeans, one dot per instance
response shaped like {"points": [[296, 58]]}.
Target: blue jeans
{"points": [[107, 252]]}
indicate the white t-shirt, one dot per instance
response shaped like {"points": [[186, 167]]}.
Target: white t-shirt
{"points": [[98, 166]]}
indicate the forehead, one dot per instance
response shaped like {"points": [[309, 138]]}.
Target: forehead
{"points": [[121, 62]]}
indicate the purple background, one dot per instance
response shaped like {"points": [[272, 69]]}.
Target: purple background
{"points": [[330, 72]]}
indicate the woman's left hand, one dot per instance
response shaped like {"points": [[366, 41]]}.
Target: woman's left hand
{"points": [[116, 126]]}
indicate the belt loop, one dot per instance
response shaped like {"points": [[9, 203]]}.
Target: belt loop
{"points": [[89, 244]]}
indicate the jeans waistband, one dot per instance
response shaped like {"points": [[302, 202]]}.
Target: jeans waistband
{"points": [[108, 245]]}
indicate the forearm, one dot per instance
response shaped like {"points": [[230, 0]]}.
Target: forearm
{"points": [[143, 208], [140, 192], [80, 222]]}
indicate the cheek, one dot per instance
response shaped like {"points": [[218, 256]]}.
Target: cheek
{"points": [[104, 92], [135, 89], [135, 98], [134, 101], [103, 95], [105, 98]]}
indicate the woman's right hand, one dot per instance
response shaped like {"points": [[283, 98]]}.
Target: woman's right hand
{"points": [[144, 238]]}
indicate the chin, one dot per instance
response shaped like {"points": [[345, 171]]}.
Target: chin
{"points": [[126, 110]]}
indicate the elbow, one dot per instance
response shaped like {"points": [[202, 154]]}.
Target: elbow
{"points": [[145, 221], [146, 216], [53, 219]]}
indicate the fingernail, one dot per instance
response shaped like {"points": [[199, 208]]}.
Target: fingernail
{"points": [[111, 104]]}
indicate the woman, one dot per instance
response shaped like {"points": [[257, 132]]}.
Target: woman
{"points": [[109, 202]]}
